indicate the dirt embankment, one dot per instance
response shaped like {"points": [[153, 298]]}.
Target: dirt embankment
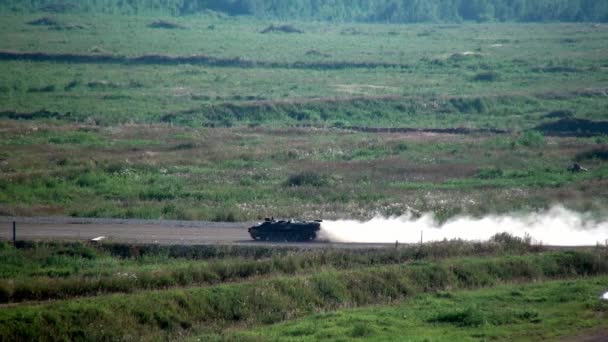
{"points": [[571, 127], [456, 130], [195, 59]]}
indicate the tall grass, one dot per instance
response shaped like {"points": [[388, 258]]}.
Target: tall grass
{"points": [[172, 313], [56, 271]]}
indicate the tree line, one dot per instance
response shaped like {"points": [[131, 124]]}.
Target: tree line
{"points": [[392, 11]]}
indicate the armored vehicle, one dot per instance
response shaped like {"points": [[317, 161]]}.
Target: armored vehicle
{"points": [[273, 230]]}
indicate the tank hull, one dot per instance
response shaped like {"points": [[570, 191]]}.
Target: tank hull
{"points": [[285, 231]]}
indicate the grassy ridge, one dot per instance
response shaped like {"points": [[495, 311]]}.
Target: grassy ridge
{"points": [[42, 271], [514, 312], [174, 312]]}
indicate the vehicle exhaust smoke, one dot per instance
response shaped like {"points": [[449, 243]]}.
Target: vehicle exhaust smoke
{"points": [[557, 226]]}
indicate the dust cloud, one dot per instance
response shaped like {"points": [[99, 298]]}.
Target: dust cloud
{"points": [[557, 226]]}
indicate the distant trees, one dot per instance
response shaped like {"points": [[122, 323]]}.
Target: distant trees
{"points": [[398, 11]]}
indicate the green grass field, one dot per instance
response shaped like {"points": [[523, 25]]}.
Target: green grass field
{"points": [[225, 142], [104, 116]]}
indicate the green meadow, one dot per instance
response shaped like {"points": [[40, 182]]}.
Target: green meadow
{"points": [[499, 111], [180, 111]]}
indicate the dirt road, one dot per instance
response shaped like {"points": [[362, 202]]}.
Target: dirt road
{"points": [[164, 232], [132, 231]]}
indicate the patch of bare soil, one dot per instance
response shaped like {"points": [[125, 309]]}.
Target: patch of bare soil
{"points": [[600, 335]]}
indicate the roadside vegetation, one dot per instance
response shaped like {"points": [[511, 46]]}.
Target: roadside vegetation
{"points": [[176, 292], [515, 312], [43, 271]]}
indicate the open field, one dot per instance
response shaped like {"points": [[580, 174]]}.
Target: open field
{"points": [[471, 75], [287, 124], [228, 120], [234, 174]]}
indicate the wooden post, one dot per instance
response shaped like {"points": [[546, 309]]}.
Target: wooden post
{"points": [[14, 234]]}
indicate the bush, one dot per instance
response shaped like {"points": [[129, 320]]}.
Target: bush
{"points": [[490, 173], [163, 24], [308, 178], [470, 317], [531, 139], [509, 240], [470, 105], [361, 330], [486, 76]]}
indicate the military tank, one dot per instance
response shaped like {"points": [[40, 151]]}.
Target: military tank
{"points": [[279, 230]]}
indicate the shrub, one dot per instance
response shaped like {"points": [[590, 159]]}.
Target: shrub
{"points": [[44, 89], [400, 147], [308, 178], [531, 139], [510, 241], [469, 317], [489, 76], [490, 173], [163, 24], [361, 330], [470, 105], [281, 29]]}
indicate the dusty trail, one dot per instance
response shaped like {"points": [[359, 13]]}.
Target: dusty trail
{"points": [[163, 232], [130, 231]]}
